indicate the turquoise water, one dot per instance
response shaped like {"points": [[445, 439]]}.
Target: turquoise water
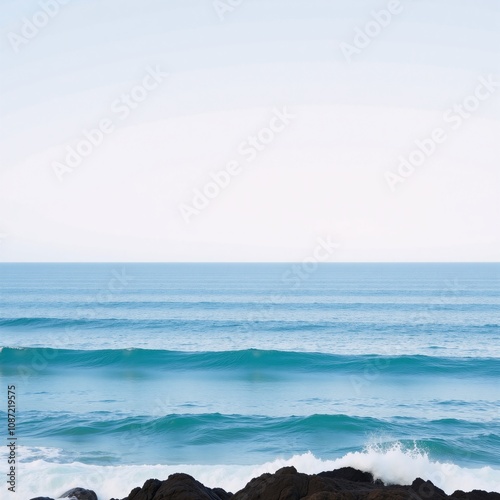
{"points": [[121, 367]]}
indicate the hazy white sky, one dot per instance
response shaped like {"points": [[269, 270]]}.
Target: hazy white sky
{"points": [[312, 106]]}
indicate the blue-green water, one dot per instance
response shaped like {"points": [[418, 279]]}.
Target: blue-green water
{"points": [[232, 367]]}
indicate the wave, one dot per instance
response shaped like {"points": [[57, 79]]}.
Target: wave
{"points": [[287, 362], [253, 322], [259, 305], [238, 427], [397, 464], [133, 439], [108, 323], [192, 427]]}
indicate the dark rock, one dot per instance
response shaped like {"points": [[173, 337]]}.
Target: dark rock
{"points": [[425, 490], [349, 474], [475, 495], [147, 492], [288, 484], [79, 494], [74, 494], [177, 487], [223, 494], [388, 493], [286, 470]]}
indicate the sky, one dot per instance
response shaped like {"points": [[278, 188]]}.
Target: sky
{"points": [[249, 130]]}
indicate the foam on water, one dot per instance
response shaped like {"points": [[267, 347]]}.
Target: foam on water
{"points": [[393, 465]]}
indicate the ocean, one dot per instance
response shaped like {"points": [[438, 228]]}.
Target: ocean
{"points": [[124, 372]]}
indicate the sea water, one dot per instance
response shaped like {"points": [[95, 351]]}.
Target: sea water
{"points": [[125, 372]]}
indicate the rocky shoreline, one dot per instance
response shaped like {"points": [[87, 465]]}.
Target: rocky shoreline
{"points": [[288, 484]]}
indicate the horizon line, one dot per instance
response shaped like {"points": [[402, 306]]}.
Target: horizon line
{"points": [[247, 262]]}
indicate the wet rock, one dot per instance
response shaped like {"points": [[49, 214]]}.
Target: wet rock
{"points": [[177, 487], [79, 494], [288, 484]]}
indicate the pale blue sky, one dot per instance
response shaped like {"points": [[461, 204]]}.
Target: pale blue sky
{"points": [[324, 175]]}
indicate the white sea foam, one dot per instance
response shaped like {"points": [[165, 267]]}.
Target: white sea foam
{"points": [[394, 465]]}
